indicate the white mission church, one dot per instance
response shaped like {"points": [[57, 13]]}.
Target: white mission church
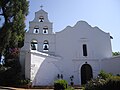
{"points": [[80, 52]]}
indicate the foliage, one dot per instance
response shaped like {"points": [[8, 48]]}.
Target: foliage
{"points": [[12, 13], [11, 54], [104, 82], [10, 73], [23, 82], [95, 84], [104, 75], [60, 84], [113, 83], [115, 53]]}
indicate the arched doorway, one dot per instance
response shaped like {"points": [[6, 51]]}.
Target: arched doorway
{"points": [[86, 73]]}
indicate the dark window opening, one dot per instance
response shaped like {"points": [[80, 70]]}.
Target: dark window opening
{"points": [[84, 50]]}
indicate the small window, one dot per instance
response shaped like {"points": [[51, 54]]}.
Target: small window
{"points": [[34, 45], [41, 19], [45, 30], [36, 30], [84, 50], [45, 46]]}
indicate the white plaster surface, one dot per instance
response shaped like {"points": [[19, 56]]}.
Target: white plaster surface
{"points": [[65, 55]]}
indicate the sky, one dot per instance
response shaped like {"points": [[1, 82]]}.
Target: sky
{"points": [[104, 14]]}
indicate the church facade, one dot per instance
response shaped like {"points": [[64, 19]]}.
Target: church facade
{"points": [[79, 52]]}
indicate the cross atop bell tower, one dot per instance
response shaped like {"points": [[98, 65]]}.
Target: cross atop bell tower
{"points": [[41, 6]]}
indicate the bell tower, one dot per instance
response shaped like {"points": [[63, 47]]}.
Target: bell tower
{"points": [[40, 36], [41, 23]]}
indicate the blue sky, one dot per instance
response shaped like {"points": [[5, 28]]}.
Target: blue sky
{"points": [[104, 14]]}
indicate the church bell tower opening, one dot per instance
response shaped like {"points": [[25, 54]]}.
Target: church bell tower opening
{"points": [[34, 45], [46, 46]]}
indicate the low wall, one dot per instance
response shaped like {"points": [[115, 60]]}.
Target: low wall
{"points": [[111, 65]]}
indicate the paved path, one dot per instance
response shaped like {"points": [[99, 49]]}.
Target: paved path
{"points": [[12, 88]]}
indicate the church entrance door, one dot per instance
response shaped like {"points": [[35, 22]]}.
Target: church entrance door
{"points": [[86, 73]]}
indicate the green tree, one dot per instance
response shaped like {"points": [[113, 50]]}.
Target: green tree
{"points": [[13, 13], [116, 53], [12, 29]]}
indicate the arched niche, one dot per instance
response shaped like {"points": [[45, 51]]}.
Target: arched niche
{"points": [[41, 19], [34, 44], [36, 30], [46, 46], [45, 30]]}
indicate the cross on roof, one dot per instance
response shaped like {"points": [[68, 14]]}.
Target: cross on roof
{"points": [[41, 6]]}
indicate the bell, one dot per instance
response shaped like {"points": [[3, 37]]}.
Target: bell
{"points": [[45, 48], [45, 31], [41, 20], [33, 47], [36, 31]]}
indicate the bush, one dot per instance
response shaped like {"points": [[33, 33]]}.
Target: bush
{"points": [[104, 82], [10, 72], [23, 82], [104, 75], [95, 84], [60, 85], [112, 83]]}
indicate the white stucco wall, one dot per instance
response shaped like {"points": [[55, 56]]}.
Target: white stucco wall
{"points": [[65, 55], [44, 68], [69, 44], [69, 41], [111, 65], [95, 65]]}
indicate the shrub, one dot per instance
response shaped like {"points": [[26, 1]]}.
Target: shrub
{"points": [[95, 84], [10, 72], [113, 83], [104, 75], [24, 81], [60, 84], [104, 82]]}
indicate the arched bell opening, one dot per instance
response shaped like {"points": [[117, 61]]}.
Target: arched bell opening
{"points": [[45, 30], [41, 19], [36, 30], [46, 46], [34, 45]]}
